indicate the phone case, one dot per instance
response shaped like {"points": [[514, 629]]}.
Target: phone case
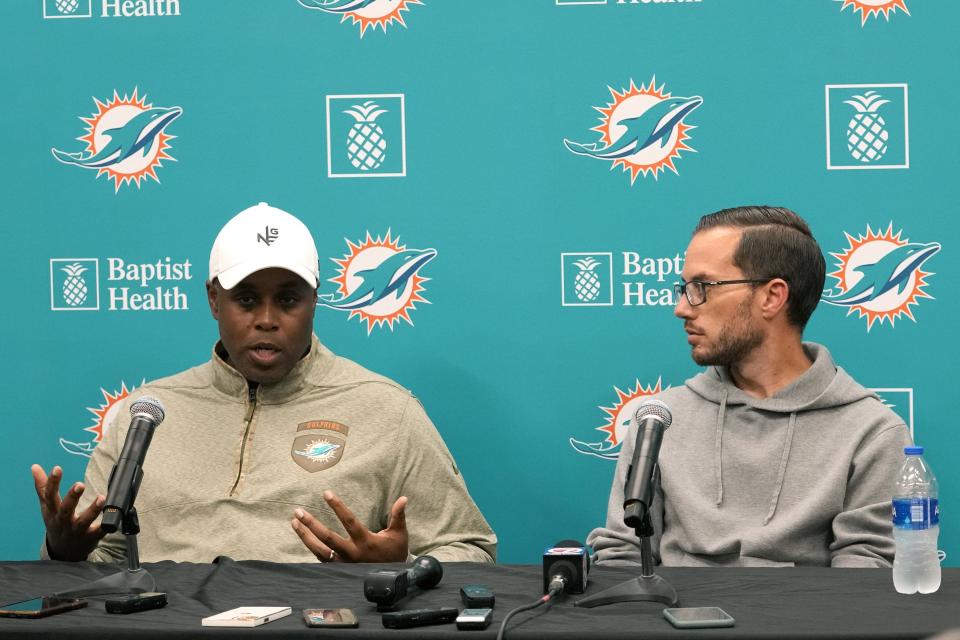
{"points": [[716, 618]]}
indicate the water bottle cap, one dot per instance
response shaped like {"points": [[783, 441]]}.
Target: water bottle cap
{"points": [[913, 451]]}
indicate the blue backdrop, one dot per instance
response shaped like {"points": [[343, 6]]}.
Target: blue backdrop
{"points": [[491, 132]]}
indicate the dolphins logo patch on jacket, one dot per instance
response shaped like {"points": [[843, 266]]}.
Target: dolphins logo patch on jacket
{"points": [[643, 130], [379, 281], [368, 14], [125, 139], [880, 276]]}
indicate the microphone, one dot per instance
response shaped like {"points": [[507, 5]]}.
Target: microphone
{"points": [[387, 587], [146, 413], [565, 567], [652, 419]]}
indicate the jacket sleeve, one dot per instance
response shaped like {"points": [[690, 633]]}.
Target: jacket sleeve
{"points": [[616, 543], [112, 548], [863, 535], [442, 519]]}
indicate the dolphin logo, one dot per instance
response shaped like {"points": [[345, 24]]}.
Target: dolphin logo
{"points": [[134, 137], [389, 277], [656, 124], [84, 449], [336, 6], [604, 450], [892, 271], [318, 451]]}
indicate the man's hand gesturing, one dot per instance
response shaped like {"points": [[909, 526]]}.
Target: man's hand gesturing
{"points": [[387, 545], [69, 536]]}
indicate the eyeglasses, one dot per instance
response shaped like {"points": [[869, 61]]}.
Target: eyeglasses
{"points": [[696, 290]]}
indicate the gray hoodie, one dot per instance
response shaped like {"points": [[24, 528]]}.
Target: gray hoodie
{"points": [[801, 478]]}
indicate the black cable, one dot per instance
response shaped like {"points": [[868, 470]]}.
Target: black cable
{"points": [[554, 590]]}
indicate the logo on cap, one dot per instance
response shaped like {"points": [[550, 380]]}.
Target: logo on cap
{"points": [[268, 236]]}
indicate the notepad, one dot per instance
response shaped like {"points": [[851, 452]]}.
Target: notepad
{"points": [[246, 617]]}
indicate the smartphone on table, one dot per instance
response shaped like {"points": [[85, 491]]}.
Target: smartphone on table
{"points": [[330, 618], [40, 607], [698, 617]]}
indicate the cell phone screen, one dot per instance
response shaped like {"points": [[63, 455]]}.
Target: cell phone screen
{"points": [[27, 605], [699, 614], [330, 618]]}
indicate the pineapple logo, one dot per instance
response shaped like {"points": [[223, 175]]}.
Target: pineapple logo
{"points": [[366, 136], [367, 14], [586, 279], [125, 140], [866, 135], [103, 417], [867, 126], [379, 281], [880, 276], [586, 283], [873, 8], [366, 146], [642, 130], [69, 285], [619, 417], [66, 9]]}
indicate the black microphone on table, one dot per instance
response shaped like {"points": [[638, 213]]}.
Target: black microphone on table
{"points": [[387, 587], [565, 567], [146, 413], [652, 419]]}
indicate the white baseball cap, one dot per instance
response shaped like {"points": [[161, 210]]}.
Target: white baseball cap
{"points": [[262, 237]]}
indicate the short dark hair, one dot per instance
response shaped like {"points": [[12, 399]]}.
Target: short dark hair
{"points": [[776, 243]]}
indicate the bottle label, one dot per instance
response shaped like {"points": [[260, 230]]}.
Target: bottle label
{"points": [[916, 513]]}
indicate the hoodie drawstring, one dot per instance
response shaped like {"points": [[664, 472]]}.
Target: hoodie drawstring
{"points": [[718, 460], [783, 468]]}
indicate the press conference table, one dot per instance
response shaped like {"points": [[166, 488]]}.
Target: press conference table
{"points": [[766, 603]]}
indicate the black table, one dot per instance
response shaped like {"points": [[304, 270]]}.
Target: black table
{"points": [[767, 603]]}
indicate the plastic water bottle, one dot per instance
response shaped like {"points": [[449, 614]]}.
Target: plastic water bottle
{"points": [[916, 525]]}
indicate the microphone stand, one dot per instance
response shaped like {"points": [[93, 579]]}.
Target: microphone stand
{"points": [[134, 579], [648, 586]]}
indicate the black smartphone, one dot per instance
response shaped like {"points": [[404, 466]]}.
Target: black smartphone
{"points": [[330, 618], [136, 602], [419, 617], [40, 607]]}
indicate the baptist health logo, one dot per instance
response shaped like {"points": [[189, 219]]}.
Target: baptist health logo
{"points": [[366, 136], [867, 126], [642, 130], [619, 417], [379, 281], [75, 285], [368, 14], [53, 9], [873, 8], [587, 279], [125, 139], [880, 276]]}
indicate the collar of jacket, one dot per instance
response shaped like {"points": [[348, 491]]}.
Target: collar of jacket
{"points": [[308, 372]]}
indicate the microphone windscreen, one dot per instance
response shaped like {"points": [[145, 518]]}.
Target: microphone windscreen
{"points": [[149, 406], [656, 409]]}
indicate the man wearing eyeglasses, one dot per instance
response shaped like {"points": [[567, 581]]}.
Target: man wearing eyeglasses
{"points": [[775, 456]]}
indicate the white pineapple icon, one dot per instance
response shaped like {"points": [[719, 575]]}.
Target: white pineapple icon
{"points": [[586, 284], [74, 285], [866, 132], [366, 146], [67, 6]]}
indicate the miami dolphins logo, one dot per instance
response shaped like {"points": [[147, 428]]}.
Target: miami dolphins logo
{"points": [[369, 14], [379, 281], [103, 417], [880, 276], [618, 421], [126, 139], [319, 450], [642, 130], [873, 8]]}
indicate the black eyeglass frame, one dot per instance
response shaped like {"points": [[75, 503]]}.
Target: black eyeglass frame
{"points": [[680, 288]]}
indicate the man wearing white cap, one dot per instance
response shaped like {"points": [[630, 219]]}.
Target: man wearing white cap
{"points": [[274, 432]]}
